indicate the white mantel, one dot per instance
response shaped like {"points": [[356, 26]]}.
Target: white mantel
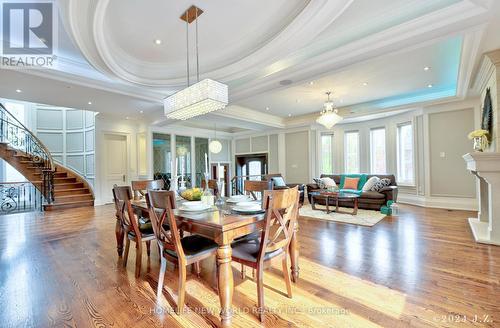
{"points": [[486, 167]]}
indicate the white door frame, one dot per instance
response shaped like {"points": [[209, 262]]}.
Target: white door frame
{"points": [[102, 167]]}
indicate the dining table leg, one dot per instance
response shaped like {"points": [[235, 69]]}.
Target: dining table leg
{"points": [[226, 284], [294, 254]]}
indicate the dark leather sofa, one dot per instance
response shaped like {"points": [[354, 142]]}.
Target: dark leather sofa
{"points": [[369, 200]]}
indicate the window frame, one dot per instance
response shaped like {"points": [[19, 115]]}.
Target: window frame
{"points": [[332, 150], [345, 150], [411, 183], [371, 149]]}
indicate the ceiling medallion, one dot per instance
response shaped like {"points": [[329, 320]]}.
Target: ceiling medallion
{"points": [[203, 96], [329, 116]]}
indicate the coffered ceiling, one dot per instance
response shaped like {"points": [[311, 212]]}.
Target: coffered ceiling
{"points": [[278, 57]]}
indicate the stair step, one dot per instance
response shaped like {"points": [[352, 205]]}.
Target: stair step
{"points": [[71, 191], [73, 198], [66, 186], [56, 174], [64, 180], [59, 206]]}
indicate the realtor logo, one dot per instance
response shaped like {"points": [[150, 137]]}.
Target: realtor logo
{"points": [[28, 34]]}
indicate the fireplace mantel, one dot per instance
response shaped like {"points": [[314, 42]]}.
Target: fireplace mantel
{"points": [[486, 167]]}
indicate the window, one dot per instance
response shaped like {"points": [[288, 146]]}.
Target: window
{"points": [[351, 147], [377, 151], [405, 154], [327, 154]]}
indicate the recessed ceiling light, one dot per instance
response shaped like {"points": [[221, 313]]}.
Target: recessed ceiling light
{"points": [[141, 111], [365, 83], [90, 103], [311, 83], [289, 115], [267, 108], [126, 117], [158, 41], [430, 86], [19, 90], [426, 68]]}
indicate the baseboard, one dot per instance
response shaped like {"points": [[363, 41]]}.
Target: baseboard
{"points": [[449, 203]]}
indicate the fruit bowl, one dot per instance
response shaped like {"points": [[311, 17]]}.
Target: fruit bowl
{"points": [[192, 194]]}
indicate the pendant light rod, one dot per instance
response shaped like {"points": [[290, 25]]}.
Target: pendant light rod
{"points": [[197, 55], [187, 45]]}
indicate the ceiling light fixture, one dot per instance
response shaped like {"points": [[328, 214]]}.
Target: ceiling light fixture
{"points": [[426, 68], [329, 115], [215, 146], [90, 103], [157, 41], [289, 115], [311, 83], [202, 97], [19, 91], [430, 86], [267, 108], [365, 83], [141, 111]]}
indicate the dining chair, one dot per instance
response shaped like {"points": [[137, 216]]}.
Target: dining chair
{"points": [[252, 187], [212, 184], [185, 251], [140, 187], [281, 208], [131, 227]]}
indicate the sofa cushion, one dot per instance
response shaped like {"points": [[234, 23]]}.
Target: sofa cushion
{"points": [[381, 184], [319, 183], [278, 181], [362, 180], [372, 195], [351, 183], [329, 182], [370, 183]]}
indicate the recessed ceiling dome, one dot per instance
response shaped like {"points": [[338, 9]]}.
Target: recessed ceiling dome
{"points": [[228, 31]]}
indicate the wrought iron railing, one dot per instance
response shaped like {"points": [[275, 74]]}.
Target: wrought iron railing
{"points": [[24, 141], [238, 182], [18, 197]]}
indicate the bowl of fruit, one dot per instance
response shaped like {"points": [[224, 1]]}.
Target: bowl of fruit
{"points": [[192, 194]]}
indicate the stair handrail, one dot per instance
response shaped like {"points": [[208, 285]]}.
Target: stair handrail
{"points": [[39, 143]]}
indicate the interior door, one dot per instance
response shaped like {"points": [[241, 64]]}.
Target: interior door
{"points": [[115, 153]]}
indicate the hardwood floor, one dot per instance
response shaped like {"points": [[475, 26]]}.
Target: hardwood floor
{"points": [[421, 269]]}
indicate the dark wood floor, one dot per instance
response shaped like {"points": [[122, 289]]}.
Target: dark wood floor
{"points": [[421, 269]]}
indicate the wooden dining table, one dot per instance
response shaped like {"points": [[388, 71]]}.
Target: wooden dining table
{"points": [[223, 226]]}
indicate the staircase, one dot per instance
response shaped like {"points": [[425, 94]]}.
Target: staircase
{"points": [[60, 186]]}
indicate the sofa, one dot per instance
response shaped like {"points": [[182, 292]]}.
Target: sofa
{"points": [[368, 200], [277, 182]]}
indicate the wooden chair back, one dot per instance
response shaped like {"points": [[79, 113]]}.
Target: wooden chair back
{"points": [[252, 187], [212, 184], [161, 205], [128, 220], [282, 210], [140, 187]]}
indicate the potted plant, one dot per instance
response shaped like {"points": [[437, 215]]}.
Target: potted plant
{"points": [[480, 139]]}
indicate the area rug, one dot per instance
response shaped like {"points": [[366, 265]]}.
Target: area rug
{"points": [[364, 217]]}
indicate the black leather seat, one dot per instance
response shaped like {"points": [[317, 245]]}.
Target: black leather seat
{"points": [[146, 230], [194, 245], [249, 250]]}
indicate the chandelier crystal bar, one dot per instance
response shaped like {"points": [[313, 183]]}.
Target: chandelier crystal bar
{"points": [[198, 99]]}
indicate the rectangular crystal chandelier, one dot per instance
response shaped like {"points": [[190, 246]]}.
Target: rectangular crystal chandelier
{"points": [[198, 99]]}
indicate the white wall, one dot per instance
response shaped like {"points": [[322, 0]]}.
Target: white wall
{"points": [[69, 135]]}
